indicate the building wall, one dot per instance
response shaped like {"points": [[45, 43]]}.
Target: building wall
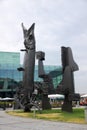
{"points": [[10, 76], [9, 58]]}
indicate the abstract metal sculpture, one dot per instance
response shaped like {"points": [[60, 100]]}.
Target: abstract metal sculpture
{"points": [[25, 96], [29, 59], [67, 83], [27, 92], [47, 85], [29, 63]]}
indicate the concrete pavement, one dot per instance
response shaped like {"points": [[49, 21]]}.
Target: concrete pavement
{"points": [[8, 122]]}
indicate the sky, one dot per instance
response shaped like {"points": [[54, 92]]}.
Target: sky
{"points": [[57, 23]]}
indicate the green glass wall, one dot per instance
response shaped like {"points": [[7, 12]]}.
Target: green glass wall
{"points": [[12, 58], [10, 76]]}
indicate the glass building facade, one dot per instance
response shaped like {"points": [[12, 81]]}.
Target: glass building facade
{"points": [[10, 76]]}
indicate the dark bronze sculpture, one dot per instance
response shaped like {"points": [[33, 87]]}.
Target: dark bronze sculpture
{"points": [[27, 92], [29, 63], [47, 85], [25, 96], [67, 84]]}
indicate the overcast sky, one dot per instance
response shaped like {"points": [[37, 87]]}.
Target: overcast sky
{"points": [[57, 23]]}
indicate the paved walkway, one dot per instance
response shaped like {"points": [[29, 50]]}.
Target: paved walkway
{"points": [[8, 122]]}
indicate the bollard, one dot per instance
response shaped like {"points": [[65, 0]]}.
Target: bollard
{"points": [[34, 112], [86, 113]]}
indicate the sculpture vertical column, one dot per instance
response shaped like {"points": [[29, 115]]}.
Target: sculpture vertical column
{"points": [[29, 64], [45, 85], [67, 84]]}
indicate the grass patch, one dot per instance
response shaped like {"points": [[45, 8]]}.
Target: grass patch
{"points": [[54, 115]]}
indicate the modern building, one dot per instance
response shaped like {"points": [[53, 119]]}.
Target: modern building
{"points": [[10, 76]]}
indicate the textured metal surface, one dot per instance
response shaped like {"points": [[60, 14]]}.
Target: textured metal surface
{"points": [[67, 84], [29, 59]]}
